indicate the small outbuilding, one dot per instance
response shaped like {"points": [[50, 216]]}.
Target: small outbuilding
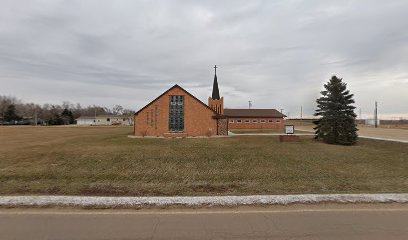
{"points": [[104, 120]]}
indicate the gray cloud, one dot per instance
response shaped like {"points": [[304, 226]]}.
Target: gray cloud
{"points": [[276, 53]]}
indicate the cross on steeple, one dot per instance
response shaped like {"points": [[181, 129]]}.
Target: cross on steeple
{"points": [[215, 68]]}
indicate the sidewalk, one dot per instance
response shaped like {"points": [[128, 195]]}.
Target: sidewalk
{"points": [[267, 134]]}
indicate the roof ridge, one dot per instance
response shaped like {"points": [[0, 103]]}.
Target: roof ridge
{"points": [[174, 86]]}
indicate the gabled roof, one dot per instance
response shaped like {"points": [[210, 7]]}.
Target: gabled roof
{"points": [[175, 86], [253, 113]]}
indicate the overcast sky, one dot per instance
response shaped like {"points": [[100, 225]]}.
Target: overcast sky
{"points": [[278, 54]]}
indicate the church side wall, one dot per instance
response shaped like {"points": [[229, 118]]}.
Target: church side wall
{"points": [[198, 119], [277, 123]]}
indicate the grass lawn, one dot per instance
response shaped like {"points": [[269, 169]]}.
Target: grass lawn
{"points": [[103, 161]]}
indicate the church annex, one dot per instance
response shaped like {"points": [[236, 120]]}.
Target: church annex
{"points": [[177, 113]]}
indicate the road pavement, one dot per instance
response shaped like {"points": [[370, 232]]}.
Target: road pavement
{"points": [[344, 221], [388, 134]]}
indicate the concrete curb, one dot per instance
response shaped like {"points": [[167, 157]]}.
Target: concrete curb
{"points": [[92, 201]]}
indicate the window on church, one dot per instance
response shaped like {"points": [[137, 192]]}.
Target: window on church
{"points": [[176, 115], [231, 121], [270, 121], [156, 116], [247, 121], [263, 121], [239, 121], [278, 121], [254, 121], [151, 118]]}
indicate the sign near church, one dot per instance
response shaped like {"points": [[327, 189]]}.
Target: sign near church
{"points": [[289, 129]]}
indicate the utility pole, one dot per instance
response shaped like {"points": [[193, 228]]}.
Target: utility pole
{"points": [[360, 114], [375, 115], [35, 116], [95, 115], [301, 114]]}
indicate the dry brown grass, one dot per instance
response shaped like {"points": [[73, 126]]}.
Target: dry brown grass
{"points": [[103, 161]]}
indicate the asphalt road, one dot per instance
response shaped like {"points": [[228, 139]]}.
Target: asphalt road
{"points": [[338, 222], [374, 133]]}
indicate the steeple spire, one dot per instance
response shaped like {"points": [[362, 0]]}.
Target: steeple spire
{"points": [[215, 92]]}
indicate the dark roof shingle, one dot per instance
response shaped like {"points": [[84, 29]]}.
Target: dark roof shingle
{"points": [[252, 113]]}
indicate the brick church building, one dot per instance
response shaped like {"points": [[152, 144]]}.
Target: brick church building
{"points": [[177, 113]]}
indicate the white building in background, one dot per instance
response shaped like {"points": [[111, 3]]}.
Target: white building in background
{"points": [[104, 120]]}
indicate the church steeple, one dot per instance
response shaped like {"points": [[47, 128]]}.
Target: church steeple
{"points": [[216, 102], [216, 91]]}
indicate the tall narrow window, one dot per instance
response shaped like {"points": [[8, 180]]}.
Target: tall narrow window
{"points": [[156, 116], [151, 117], [176, 116]]}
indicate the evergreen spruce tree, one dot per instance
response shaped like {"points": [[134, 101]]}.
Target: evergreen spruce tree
{"points": [[67, 116], [10, 114], [337, 118]]}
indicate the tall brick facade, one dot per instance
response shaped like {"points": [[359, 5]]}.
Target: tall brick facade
{"points": [[153, 120]]}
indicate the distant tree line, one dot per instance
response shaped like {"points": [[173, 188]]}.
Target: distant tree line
{"points": [[14, 111]]}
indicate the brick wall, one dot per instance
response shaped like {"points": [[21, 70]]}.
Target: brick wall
{"points": [[275, 124], [223, 126], [216, 105], [198, 119]]}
